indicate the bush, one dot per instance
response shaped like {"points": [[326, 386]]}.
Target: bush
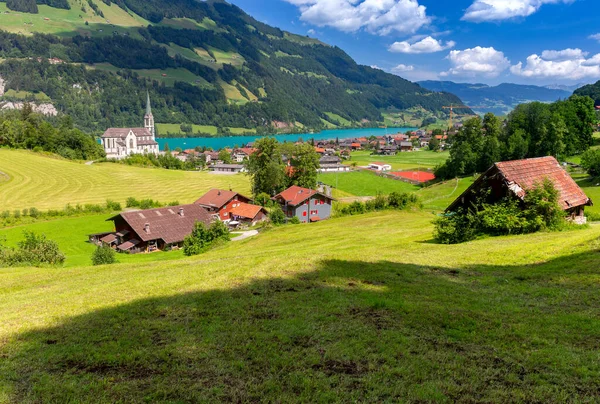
{"points": [[5, 214], [590, 161], [456, 227], [104, 255], [277, 216], [203, 238], [34, 213], [294, 220], [132, 202], [263, 199], [25, 212], [113, 206], [34, 250], [17, 213]]}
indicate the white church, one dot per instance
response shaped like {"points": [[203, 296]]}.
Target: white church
{"points": [[121, 142]]}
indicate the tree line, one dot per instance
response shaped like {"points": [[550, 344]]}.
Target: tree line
{"points": [[560, 129], [27, 130]]}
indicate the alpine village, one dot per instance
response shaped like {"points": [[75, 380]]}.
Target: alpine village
{"points": [[299, 201]]}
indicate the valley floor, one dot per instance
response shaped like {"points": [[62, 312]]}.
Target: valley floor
{"points": [[362, 308]]}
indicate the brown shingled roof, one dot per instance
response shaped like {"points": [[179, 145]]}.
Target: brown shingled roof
{"points": [[526, 173], [217, 198], [166, 223]]}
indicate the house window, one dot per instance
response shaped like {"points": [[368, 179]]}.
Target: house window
{"points": [[225, 214], [131, 143], [304, 213]]}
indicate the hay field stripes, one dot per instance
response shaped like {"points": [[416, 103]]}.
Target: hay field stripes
{"points": [[49, 183]]}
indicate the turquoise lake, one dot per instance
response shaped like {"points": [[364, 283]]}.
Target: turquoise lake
{"points": [[230, 141]]}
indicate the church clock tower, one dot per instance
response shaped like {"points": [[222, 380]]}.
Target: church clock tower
{"points": [[148, 118]]}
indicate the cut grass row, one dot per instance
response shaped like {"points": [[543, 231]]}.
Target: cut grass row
{"points": [[313, 313], [51, 183]]}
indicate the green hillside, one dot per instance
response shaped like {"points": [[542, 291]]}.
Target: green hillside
{"points": [[204, 63], [313, 313]]}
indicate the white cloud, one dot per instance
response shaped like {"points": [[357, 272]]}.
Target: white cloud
{"points": [[376, 16], [497, 10], [477, 61], [403, 68], [565, 54], [425, 45], [595, 37], [568, 64], [312, 32]]}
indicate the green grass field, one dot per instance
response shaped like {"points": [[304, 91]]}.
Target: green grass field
{"points": [[50, 183], [364, 183], [314, 313], [401, 161]]}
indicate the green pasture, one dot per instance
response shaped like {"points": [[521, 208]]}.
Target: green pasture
{"points": [[357, 309], [422, 159]]}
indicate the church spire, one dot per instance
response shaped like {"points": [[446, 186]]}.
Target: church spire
{"points": [[148, 107], [148, 118]]}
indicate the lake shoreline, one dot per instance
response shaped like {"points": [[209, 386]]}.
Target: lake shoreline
{"points": [[240, 140]]}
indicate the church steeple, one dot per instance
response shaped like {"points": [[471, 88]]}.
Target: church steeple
{"points": [[148, 118]]}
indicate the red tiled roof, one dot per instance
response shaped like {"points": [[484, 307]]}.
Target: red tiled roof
{"points": [[217, 198], [319, 150], [525, 174], [246, 210], [246, 150], [165, 223], [420, 176], [295, 195], [315, 218], [355, 144]]}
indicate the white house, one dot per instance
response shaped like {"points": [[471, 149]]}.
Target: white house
{"points": [[121, 142], [377, 166]]}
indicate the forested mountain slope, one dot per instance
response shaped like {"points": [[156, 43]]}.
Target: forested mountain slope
{"points": [[592, 91], [206, 63], [500, 99]]}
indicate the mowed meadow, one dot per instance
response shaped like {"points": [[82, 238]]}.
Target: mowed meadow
{"points": [[362, 308], [30, 180]]}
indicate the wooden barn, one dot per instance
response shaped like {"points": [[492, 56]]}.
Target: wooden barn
{"points": [[516, 177], [155, 229]]}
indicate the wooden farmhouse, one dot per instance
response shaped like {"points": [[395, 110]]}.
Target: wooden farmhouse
{"points": [[514, 178], [155, 229]]}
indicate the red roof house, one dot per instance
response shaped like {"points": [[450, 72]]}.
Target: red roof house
{"points": [[516, 177], [306, 204], [219, 201], [248, 213]]}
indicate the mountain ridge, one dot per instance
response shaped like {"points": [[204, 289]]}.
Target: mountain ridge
{"points": [[499, 99], [204, 63]]}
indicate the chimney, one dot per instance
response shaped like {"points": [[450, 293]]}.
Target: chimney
{"points": [[219, 193], [147, 228], [181, 212]]}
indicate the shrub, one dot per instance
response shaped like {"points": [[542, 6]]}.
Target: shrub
{"points": [[263, 199], [203, 237], [25, 212], [113, 206], [294, 220], [17, 213], [277, 216], [173, 203], [132, 202], [590, 161], [103, 255], [5, 214], [456, 227], [34, 212], [33, 250]]}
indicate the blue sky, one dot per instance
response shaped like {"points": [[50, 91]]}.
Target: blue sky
{"points": [[486, 41]]}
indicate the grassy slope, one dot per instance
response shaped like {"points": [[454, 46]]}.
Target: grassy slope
{"points": [[47, 183], [175, 128], [314, 313]]}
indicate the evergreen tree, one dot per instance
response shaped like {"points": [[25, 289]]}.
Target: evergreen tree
{"points": [[24, 6]]}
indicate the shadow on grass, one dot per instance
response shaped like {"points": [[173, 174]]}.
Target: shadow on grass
{"points": [[350, 331]]}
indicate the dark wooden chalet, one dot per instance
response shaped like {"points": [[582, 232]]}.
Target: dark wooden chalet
{"points": [[155, 229], [516, 177]]}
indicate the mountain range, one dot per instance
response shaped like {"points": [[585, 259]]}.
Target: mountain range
{"points": [[500, 99], [205, 63]]}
